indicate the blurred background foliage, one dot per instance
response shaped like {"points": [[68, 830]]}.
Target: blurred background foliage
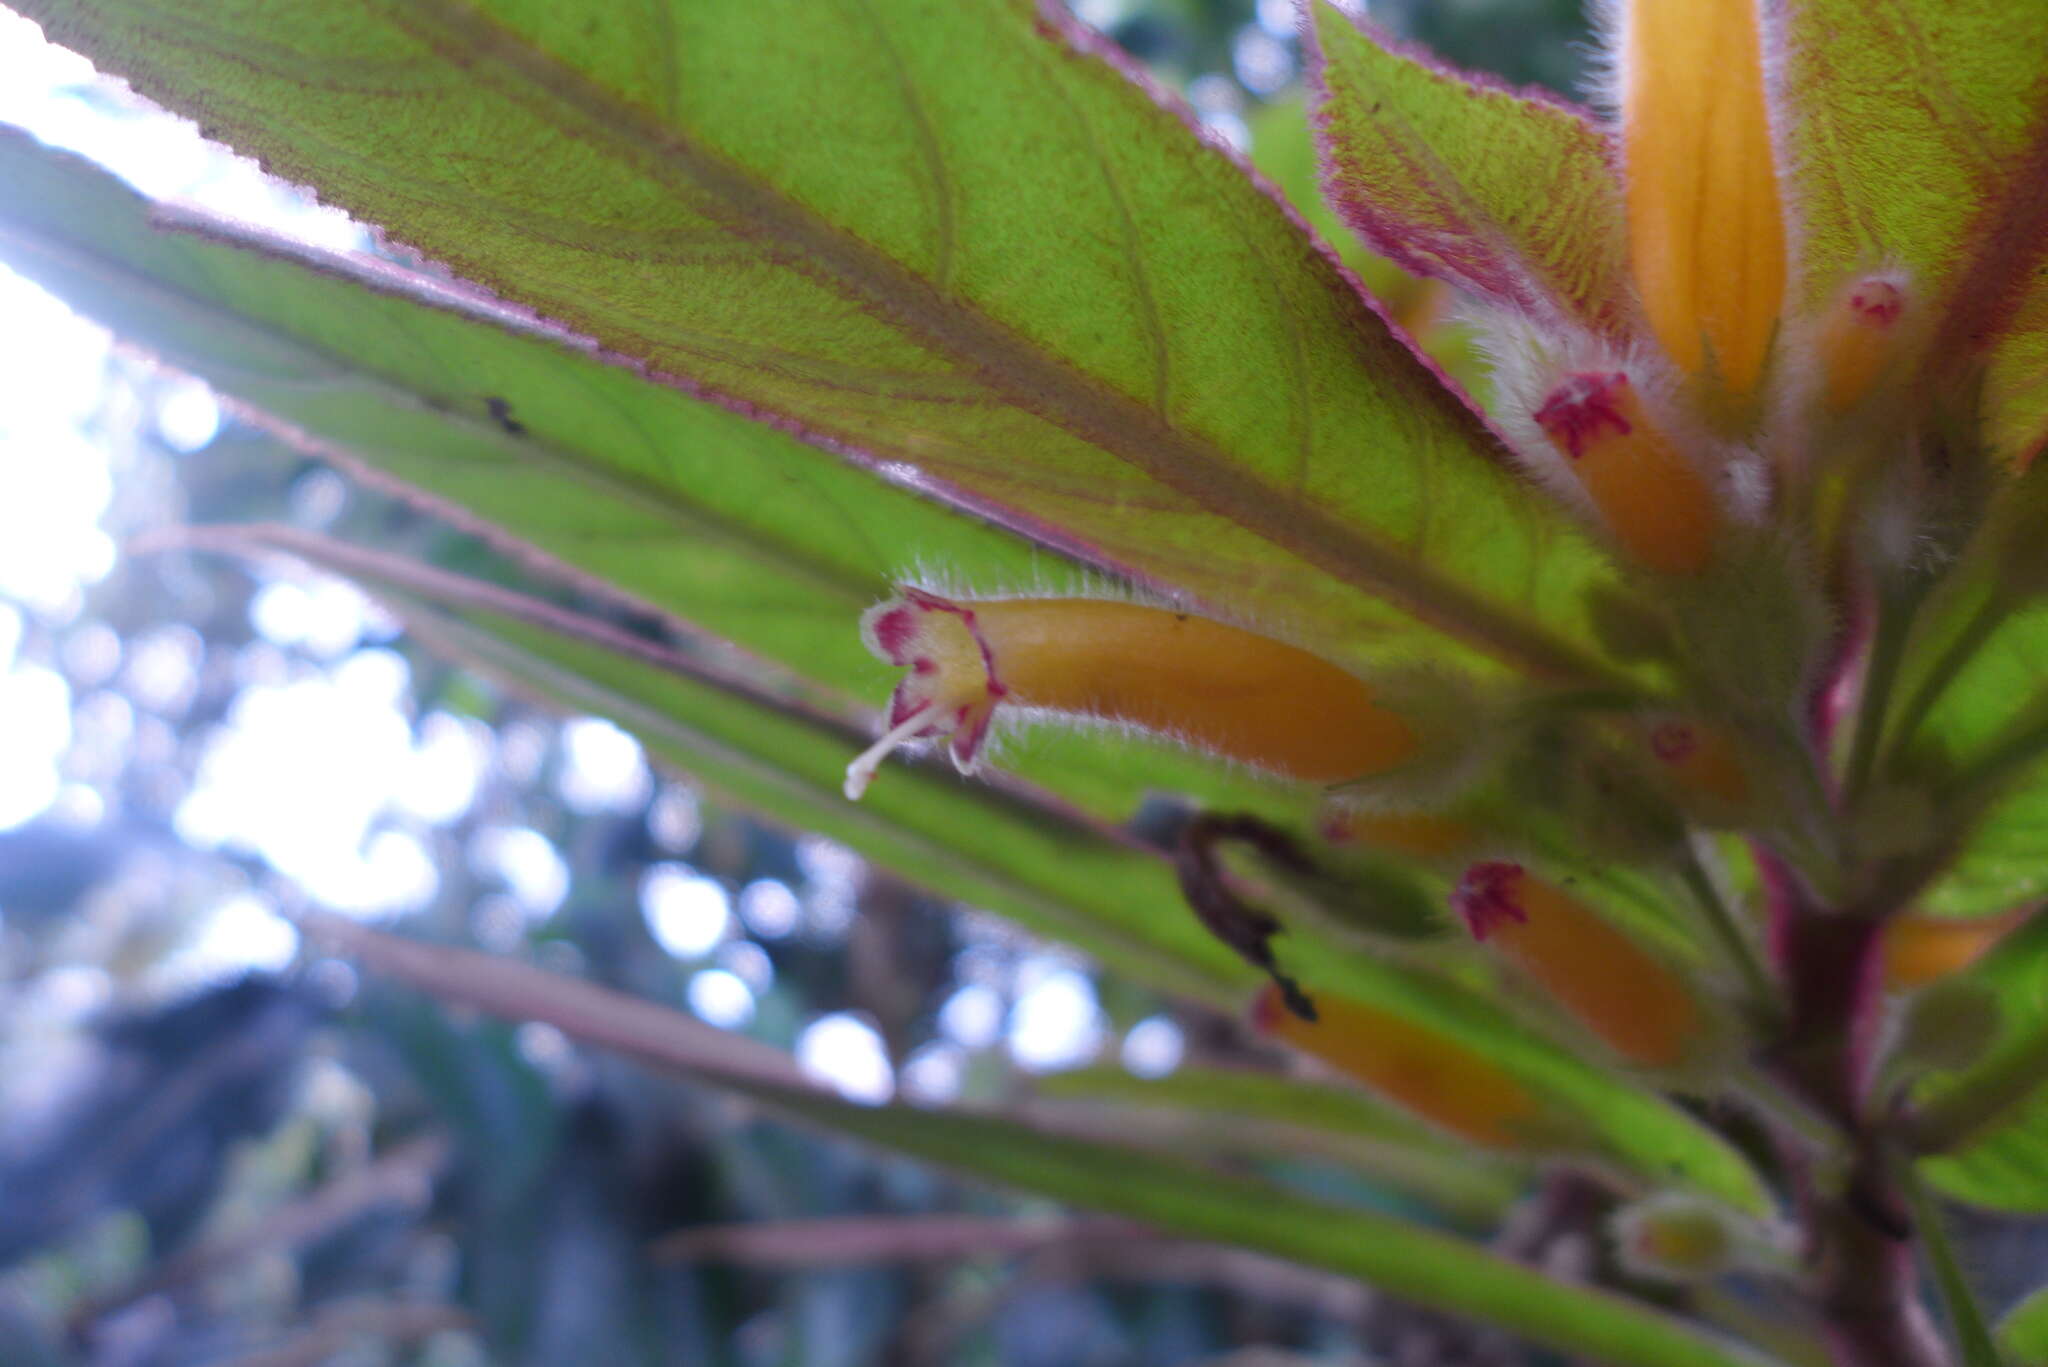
{"points": [[217, 1146]]}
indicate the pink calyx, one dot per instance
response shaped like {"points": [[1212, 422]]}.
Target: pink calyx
{"points": [[1878, 302], [1487, 897], [1581, 407], [1673, 741], [951, 688]]}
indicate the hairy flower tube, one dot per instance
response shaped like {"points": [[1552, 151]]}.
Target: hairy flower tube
{"points": [[1859, 338], [1431, 1074], [1628, 997], [1706, 232], [1223, 689], [1419, 835], [1654, 502], [1701, 765], [1919, 950]]}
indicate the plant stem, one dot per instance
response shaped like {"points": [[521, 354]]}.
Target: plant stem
{"points": [[1862, 1279], [1865, 1283]]}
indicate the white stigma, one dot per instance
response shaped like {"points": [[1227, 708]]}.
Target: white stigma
{"points": [[861, 772]]}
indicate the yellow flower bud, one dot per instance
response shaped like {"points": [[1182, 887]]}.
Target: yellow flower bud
{"points": [[1217, 687], [1431, 1074], [1702, 764], [1420, 835], [1706, 231], [1628, 997], [1920, 949], [1675, 1236], [1657, 505], [1858, 339]]}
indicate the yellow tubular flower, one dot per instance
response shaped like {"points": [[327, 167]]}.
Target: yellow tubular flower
{"points": [[1225, 690], [1701, 763], [1431, 1074], [1921, 949], [1420, 835], [1706, 232], [1628, 997], [1859, 339], [1655, 503]]}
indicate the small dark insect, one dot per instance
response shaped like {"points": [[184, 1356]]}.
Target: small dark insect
{"points": [[501, 413]]}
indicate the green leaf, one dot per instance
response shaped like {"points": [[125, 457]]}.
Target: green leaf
{"points": [[1399, 1258], [1290, 1116], [2016, 386], [2023, 1333], [1241, 1092], [733, 528], [998, 268], [1512, 196], [2004, 1163], [1903, 116], [1284, 152], [1966, 1320], [1118, 905], [1006, 849], [1975, 713]]}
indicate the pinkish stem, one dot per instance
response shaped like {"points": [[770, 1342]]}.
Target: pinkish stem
{"points": [[1862, 1277]]}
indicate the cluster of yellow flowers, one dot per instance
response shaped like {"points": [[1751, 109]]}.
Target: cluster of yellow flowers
{"points": [[1643, 441]]}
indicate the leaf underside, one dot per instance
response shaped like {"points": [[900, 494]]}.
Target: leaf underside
{"points": [[998, 267], [728, 528], [1512, 196], [2006, 1169]]}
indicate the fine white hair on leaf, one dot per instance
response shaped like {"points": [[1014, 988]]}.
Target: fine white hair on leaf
{"points": [[1605, 80]]}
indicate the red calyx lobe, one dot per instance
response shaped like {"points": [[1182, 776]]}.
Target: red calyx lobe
{"points": [[1878, 302], [1580, 407], [1673, 741], [1487, 897]]}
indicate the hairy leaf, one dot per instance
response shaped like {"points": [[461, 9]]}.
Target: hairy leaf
{"points": [[2007, 1168], [1284, 151], [1511, 195], [1096, 893], [1905, 120], [2016, 383], [1008, 849], [1974, 704], [944, 233], [2023, 1333], [557, 454]]}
